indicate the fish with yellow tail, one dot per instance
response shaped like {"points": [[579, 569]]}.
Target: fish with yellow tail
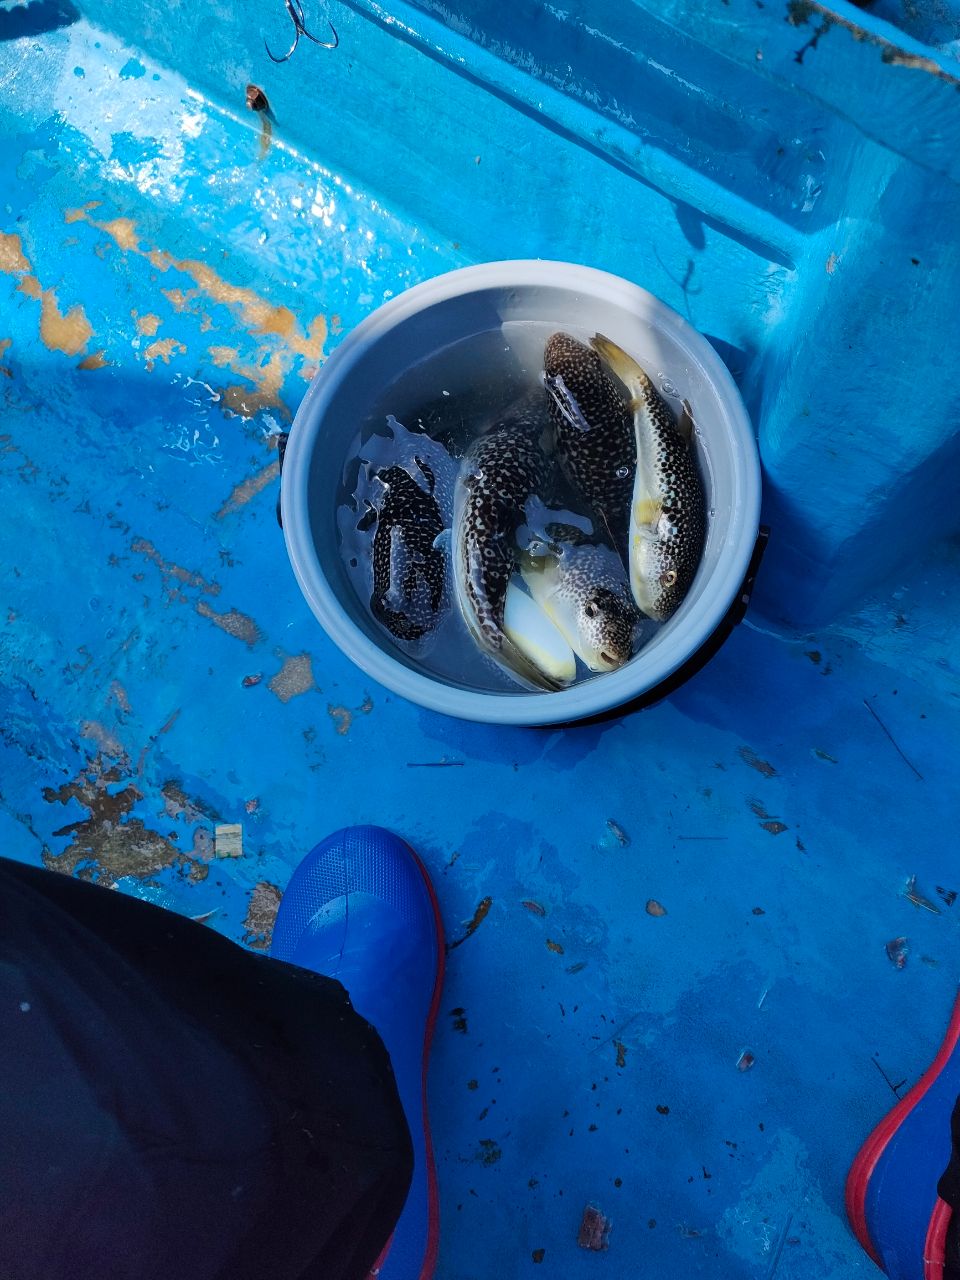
{"points": [[667, 511]]}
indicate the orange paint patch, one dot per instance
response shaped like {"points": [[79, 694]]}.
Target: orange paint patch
{"points": [[148, 324], [180, 299], [30, 285], [80, 215], [222, 356], [162, 349], [68, 332], [13, 262], [267, 379], [259, 315], [121, 230]]}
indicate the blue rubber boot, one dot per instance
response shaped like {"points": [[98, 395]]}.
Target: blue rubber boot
{"points": [[891, 1192], [360, 908]]}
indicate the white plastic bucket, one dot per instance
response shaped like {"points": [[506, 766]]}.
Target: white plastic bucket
{"points": [[448, 309]]}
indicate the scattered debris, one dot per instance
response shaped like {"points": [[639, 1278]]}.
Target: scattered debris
{"points": [[533, 907], [256, 98], [575, 968], [897, 951], [249, 681], [594, 1230], [948, 895], [758, 911], [655, 908], [750, 757], [434, 764], [745, 1061], [618, 832], [621, 1053], [824, 755], [918, 900], [894, 1088], [478, 918], [459, 1017], [555, 947], [252, 805], [490, 1153], [763, 995], [775, 827], [662, 1109], [900, 753], [228, 840], [205, 916], [538, 1255], [473, 1084]]}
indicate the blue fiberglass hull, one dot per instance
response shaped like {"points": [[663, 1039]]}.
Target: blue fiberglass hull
{"points": [[171, 272]]}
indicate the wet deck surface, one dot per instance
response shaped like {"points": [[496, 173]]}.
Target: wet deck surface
{"points": [[714, 878]]}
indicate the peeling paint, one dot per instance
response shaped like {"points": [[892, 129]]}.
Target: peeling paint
{"points": [[108, 837], [68, 332], [233, 622], [13, 261], [259, 315], [162, 349], [247, 489], [294, 678], [173, 572], [261, 915], [148, 324]]}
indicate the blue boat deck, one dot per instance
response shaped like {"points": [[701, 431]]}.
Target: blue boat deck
{"points": [[679, 1005]]}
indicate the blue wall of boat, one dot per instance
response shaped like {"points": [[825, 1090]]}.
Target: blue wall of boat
{"points": [[783, 175]]}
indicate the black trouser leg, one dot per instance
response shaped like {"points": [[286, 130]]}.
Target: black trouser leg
{"points": [[174, 1106]]}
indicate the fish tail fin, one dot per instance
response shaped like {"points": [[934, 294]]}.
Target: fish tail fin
{"points": [[621, 365]]}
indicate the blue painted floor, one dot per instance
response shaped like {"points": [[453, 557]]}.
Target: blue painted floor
{"points": [[163, 680]]}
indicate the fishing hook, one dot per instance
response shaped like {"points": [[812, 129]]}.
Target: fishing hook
{"points": [[295, 10]]}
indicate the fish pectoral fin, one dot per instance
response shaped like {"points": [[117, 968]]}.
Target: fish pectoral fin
{"points": [[566, 402], [685, 421]]}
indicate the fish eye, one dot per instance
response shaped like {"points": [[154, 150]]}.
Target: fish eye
{"points": [[591, 608], [668, 578]]}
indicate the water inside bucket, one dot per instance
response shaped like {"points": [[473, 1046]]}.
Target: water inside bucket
{"points": [[425, 423]]}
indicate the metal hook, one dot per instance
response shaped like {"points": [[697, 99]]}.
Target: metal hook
{"points": [[300, 29]]}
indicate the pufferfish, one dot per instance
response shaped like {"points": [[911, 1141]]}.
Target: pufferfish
{"points": [[667, 510]]}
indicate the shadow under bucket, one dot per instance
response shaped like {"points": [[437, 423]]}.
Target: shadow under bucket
{"points": [[455, 307]]}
